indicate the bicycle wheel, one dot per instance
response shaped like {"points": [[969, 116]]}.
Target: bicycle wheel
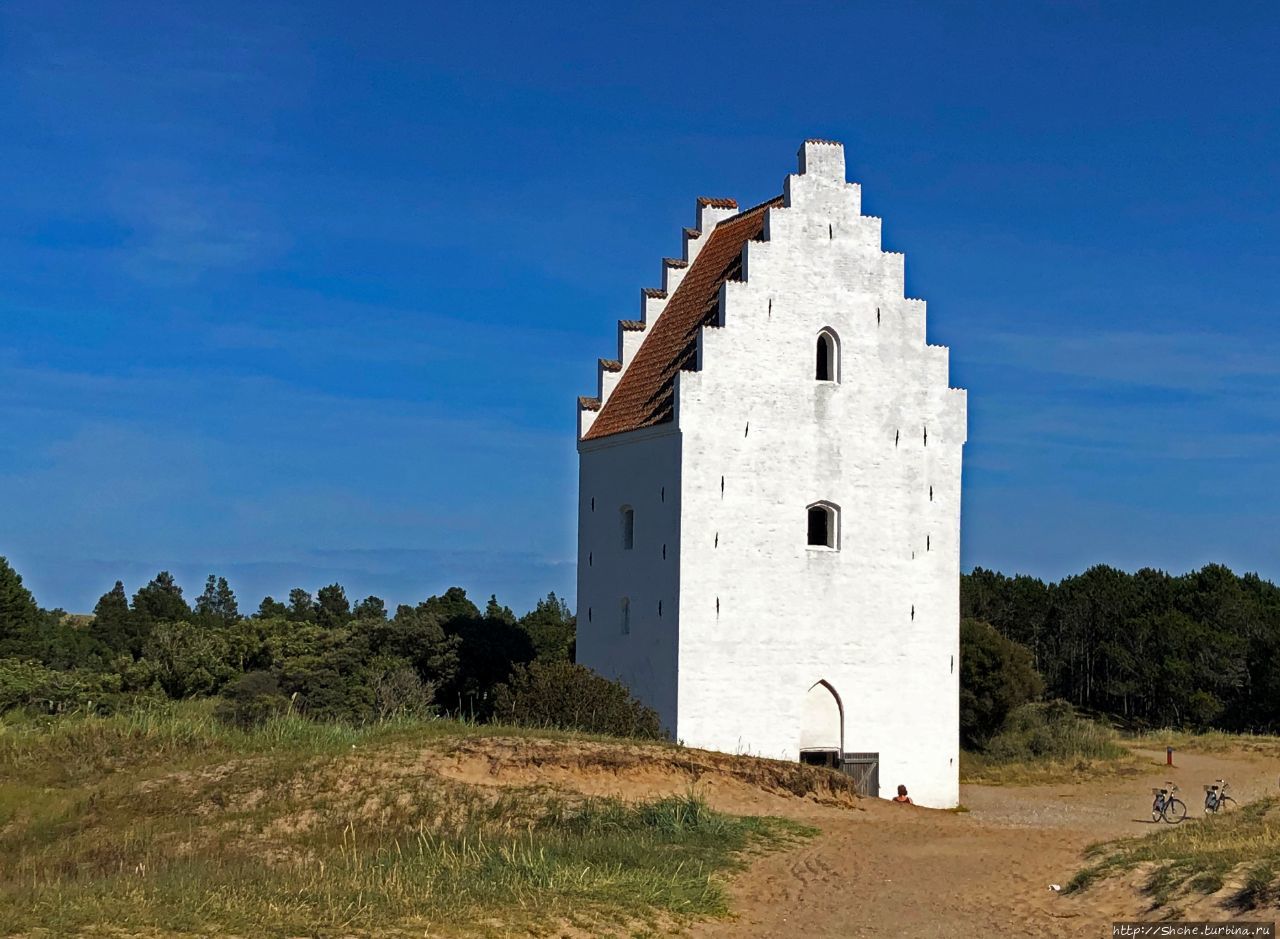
{"points": [[1225, 803], [1175, 810]]}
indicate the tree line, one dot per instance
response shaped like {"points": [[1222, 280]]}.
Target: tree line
{"points": [[320, 655], [1200, 650], [1197, 651]]}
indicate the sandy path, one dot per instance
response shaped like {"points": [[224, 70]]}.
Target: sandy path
{"points": [[903, 871]]}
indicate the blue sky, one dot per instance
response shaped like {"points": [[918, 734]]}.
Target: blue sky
{"points": [[304, 293]]}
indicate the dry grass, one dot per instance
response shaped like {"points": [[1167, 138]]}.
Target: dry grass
{"points": [[170, 822], [1237, 853], [976, 770], [1213, 741], [1048, 743]]}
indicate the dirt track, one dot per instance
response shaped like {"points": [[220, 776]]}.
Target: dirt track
{"points": [[902, 871]]}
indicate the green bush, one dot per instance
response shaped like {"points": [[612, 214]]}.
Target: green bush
{"points": [[251, 700], [398, 690], [187, 660], [1049, 731], [28, 685], [572, 697], [996, 676]]}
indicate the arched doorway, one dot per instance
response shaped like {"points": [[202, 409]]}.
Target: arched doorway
{"points": [[822, 726]]}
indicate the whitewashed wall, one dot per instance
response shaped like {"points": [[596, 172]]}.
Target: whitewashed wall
{"points": [[877, 619], [640, 469], [762, 616]]}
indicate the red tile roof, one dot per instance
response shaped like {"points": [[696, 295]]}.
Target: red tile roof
{"points": [[718, 203], [631, 325], [645, 394], [589, 404]]}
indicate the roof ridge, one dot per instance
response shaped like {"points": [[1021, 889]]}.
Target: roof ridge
{"points": [[776, 201]]}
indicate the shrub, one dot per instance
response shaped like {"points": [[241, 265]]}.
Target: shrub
{"points": [[28, 685], [251, 700], [996, 676], [186, 660], [398, 691], [572, 697], [1051, 730]]}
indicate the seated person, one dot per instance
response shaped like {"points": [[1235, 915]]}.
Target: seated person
{"points": [[902, 796]]}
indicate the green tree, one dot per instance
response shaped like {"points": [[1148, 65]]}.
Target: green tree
{"points": [[217, 605], [370, 610], [332, 607], [271, 608], [186, 659], [415, 635], [552, 630], [489, 647], [18, 610], [996, 675], [160, 601], [326, 671], [452, 608], [495, 612], [113, 623], [301, 607]]}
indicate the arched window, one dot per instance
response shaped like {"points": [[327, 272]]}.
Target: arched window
{"points": [[824, 525], [828, 355], [628, 528]]}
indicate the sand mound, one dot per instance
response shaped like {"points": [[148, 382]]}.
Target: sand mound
{"points": [[730, 783]]}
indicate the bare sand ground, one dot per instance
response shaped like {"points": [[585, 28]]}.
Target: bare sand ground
{"points": [[901, 871], [881, 869]]}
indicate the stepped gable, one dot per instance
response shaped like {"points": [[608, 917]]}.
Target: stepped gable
{"points": [[645, 396]]}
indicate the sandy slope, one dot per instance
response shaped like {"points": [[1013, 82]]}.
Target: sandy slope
{"points": [[901, 871], [880, 869]]}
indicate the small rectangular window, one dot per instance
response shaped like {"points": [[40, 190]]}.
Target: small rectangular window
{"points": [[822, 526], [628, 528], [626, 616]]}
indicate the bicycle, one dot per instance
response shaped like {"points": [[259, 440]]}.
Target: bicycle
{"points": [[1216, 798], [1167, 806]]}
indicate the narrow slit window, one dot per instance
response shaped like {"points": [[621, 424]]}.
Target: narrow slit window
{"points": [[628, 528], [626, 616], [828, 357], [823, 518]]}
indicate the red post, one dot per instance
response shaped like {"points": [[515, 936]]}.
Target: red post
{"points": [[1168, 756]]}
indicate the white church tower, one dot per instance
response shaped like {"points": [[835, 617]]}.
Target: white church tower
{"points": [[769, 505]]}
